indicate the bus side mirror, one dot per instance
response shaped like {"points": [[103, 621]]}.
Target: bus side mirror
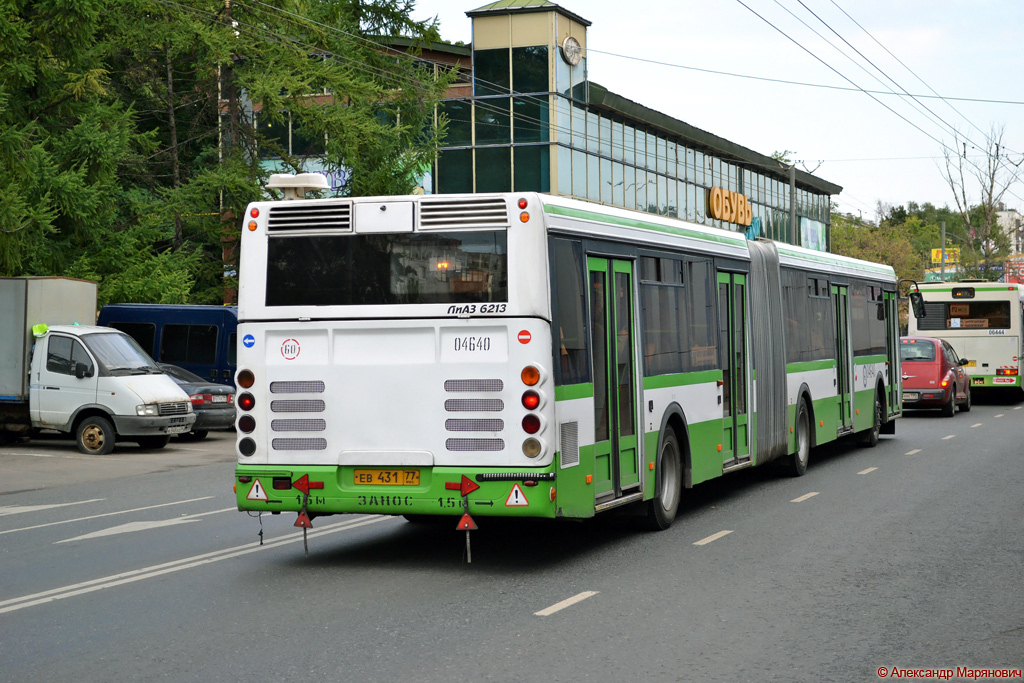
{"points": [[917, 304], [81, 370]]}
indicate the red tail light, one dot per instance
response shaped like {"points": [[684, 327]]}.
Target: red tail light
{"points": [[531, 424], [200, 399]]}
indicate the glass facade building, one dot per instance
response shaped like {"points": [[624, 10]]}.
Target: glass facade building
{"points": [[536, 122]]}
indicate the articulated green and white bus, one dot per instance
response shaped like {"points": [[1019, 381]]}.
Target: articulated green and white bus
{"points": [[562, 357], [983, 322]]}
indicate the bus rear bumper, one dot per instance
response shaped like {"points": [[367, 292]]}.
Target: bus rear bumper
{"points": [[415, 491]]}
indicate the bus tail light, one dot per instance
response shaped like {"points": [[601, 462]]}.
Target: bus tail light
{"points": [[530, 376], [531, 399], [246, 379], [531, 448], [531, 424], [246, 401], [247, 446], [247, 423], [1006, 371]]}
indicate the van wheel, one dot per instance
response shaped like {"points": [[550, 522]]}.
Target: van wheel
{"points": [[661, 511], [95, 436], [153, 442], [797, 462]]}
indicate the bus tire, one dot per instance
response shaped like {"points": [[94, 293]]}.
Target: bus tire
{"points": [[965, 407], [95, 435], [796, 464], [870, 438], [668, 483], [428, 520]]}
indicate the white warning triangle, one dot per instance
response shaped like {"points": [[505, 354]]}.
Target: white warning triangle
{"points": [[257, 492], [516, 498]]}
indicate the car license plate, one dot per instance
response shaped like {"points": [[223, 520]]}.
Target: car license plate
{"points": [[216, 398], [378, 477], [911, 395], [179, 429], [972, 363]]}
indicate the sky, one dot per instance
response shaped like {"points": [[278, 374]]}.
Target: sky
{"points": [[879, 147]]}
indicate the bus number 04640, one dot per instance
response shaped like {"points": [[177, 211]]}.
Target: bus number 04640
{"points": [[472, 343]]}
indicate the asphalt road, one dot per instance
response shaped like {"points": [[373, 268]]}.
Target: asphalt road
{"points": [[137, 567]]}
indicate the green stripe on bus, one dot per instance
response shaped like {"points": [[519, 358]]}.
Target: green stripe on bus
{"points": [[823, 258], [569, 392], [724, 238], [682, 379], [807, 366], [864, 360]]}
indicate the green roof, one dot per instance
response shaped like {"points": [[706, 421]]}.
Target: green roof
{"points": [[524, 6]]}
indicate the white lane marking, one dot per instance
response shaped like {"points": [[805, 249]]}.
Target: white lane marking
{"points": [[1017, 408], [868, 470], [568, 602], [145, 526], [913, 452], [130, 527], [804, 497], [1001, 415], [712, 537], [947, 438], [20, 509], [15, 604], [105, 514], [976, 425]]}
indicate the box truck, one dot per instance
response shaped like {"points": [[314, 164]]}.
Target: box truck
{"points": [[60, 371]]}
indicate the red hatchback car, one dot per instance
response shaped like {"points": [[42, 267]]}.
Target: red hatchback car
{"points": [[933, 375]]}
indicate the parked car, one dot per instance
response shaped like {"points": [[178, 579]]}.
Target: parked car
{"points": [[933, 375], [213, 404]]}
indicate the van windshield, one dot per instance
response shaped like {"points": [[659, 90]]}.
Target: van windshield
{"points": [[119, 354]]}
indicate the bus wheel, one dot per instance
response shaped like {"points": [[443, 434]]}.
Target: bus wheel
{"points": [[661, 511], [797, 463], [95, 436], [965, 407], [870, 438]]}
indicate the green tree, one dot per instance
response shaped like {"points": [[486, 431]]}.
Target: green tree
{"points": [[132, 131]]}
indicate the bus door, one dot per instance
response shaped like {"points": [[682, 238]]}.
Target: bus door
{"points": [[892, 342], [732, 355], [616, 453], [840, 299]]}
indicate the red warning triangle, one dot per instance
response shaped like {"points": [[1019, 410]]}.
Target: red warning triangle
{"points": [[304, 521], [466, 523]]}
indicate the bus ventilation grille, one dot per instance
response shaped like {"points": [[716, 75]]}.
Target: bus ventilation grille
{"points": [[569, 443], [471, 405], [474, 425], [464, 213], [308, 387], [299, 444], [314, 216], [453, 385], [475, 444], [300, 425], [298, 406]]}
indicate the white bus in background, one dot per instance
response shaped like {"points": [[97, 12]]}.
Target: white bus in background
{"points": [[982, 321]]}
